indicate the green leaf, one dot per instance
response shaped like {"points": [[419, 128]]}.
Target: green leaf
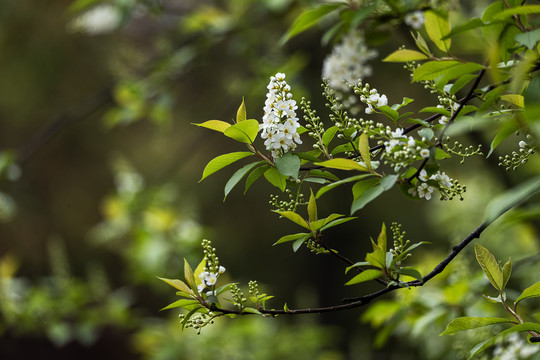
{"points": [[443, 71], [510, 198], [342, 148], [381, 239], [461, 82], [530, 292], [251, 310], [469, 25], [307, 19], [436, 110], [365, 275], [288, 165], [363, 147], [497, 338], [389, 112], [490, 266], [312, 208], [177, 284], [329, 135], [506, 271], [377, 258], [291, 237], [409, 271], [245, 131], [366, 197], [362, 186], [469, 322], [441, 154], [528, 39], [296, 245], [405, 55], [520, 10], [294, 217], [216, 125], [189, 276], [388, 181], [357, 264], [437, 27], [515, 99], [329, 187], [342, 164], [421, 44], [532, 93], [508, 128], [275, 178], [426, 133], [336, 222], [241, 113], [254, 175], [222, 161], [180, 303], [238, 175]]}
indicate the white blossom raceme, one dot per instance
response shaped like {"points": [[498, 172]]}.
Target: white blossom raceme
{"points": [[415, 19], [280, 124], [347, 64]]}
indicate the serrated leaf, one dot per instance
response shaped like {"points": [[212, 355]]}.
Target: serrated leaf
{"points": [[364, 276], [510, 198], [275, 178], [530, 292], [405, 55], [312, 208], [238, 175], [291, 237], [190, 277], [294, 217], [490, 266], [288, 165], [254, 175], [216, 125], [180, 303], [363, 147], [222, 161], [241, 112], [342, 164], [469, 322], [177, 284], [307, 19], [506, 271], [244, 132], [437, 27], [331, 186], [497, 338]]}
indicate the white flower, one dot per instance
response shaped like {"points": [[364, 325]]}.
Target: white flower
{"points": [[280, 124], [522, 144], [424, 153], [100, 19], [221, 270], [201, 287], [210, 293], [424, 191], [415, 19], [443, 120], [423, 175], [443, 179], [347, 64], [211, 279]]}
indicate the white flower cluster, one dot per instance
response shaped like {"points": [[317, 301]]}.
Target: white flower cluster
{"points": [[424, 190], [280, 124], [415, 19], [347, 64], [444, 119], [99, 20], [373, 98], [514, 348], [397, 138], [209, 279]]}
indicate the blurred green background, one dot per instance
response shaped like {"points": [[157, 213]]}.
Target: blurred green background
{"points": [[99, 191]]}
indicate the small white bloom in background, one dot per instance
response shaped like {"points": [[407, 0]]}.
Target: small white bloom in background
{"points": [[424, 153], [99, 20], [373, 99], [423, 175], [415, 19], [522, 144], [443, 179], [210, 293], [424, 191], [221, 270], [347, 63], [412, 191], [201, 287], [280, 124]]}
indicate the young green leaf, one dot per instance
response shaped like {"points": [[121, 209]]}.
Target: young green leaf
{"points": [[329, 135], [241, 113], [294, 217], [389, 112], [244, 132], [508, 128], [291, 237], [530, 292], [177, 284], [506, 271], [366, 197], [469, 322], [307, 19], [363, 147], [288, 165], [490, 266], [189, 276], [238, 175], [222, 161], [437, 27], [381, 239], [329, 187], [216, 125], [180, 303], [405, 55], [409, 271], [377, 258], [312, 208], [520, 10], [296, 245], [342, 164], [332, 223], [511, 198], [275, 178], [254, 175], [364, 276]]}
